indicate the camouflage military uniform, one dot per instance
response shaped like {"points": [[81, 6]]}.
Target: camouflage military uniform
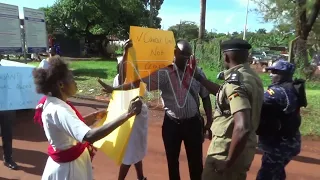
{"points": [[284, 140], [242, 90]]}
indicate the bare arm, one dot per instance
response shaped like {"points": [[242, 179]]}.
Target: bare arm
{"points": [[240, 135], [98, 133], [212, 87]]}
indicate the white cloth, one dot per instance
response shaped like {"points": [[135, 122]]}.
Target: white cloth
{"points": [[137, 145], [64, 129], [44, 64]]}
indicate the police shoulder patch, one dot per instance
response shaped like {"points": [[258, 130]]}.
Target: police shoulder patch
{"points": [[270, 92], [234, 78]]}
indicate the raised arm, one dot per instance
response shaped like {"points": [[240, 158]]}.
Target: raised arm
{"points": [[212, 87], [96, 134]]}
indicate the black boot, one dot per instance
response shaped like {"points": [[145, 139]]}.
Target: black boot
{"points": [[10, 163]]}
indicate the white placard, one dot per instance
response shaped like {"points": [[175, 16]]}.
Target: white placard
{"points": [[35, 30], [10, 31], [17, 89]]}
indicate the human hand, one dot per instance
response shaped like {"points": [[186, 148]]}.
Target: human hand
{"points": [[128, 44], [106, 87], [135, 105]]}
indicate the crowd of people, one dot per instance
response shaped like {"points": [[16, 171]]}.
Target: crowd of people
{"points": [[242, 111]]}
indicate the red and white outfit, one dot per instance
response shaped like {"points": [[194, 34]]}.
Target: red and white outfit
{"points": [[69, 157]]}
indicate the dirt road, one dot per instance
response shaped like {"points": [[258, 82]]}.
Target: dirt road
{"points": [[30, 153]]}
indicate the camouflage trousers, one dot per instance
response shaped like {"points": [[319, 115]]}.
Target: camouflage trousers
{"points": [[277, 153]]}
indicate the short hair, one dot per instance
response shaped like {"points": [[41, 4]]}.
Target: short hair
{"points": [[239, 56], [46, 80]]}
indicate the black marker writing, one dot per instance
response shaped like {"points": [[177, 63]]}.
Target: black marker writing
{"points": [[156, 52]]}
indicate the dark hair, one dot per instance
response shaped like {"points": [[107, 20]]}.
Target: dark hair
{"points": [[46, 80]]}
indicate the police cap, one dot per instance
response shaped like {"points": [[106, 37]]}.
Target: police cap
{"points": [[282, 65], [235, 45]]}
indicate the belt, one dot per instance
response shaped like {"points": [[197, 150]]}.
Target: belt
{"points": [[180, 121]]}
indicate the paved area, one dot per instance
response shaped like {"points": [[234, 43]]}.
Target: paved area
{"points": [[30, 153]]}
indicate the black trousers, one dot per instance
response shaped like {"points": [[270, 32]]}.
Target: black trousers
{"points": [[190, 132], [6, 118]]}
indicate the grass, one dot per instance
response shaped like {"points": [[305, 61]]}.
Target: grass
{"points": [[87, 72]]}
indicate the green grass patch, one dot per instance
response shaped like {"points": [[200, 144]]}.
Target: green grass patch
{"points": [[87, 72]]}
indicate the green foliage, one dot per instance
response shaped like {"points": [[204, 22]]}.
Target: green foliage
{"points": [[187, 30], [81, 18]]}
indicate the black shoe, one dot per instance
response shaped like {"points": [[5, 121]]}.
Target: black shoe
{"points": [[11, 164]]}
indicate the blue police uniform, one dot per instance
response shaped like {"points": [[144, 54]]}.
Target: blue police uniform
{"points": [[279, 135]]}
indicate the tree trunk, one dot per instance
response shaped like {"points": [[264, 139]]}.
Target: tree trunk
{"points": [[203, 4], [152, 6]]}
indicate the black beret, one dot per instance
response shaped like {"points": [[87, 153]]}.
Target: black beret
{"points": [[235, 45]]}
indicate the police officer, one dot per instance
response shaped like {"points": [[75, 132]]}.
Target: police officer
{"points": [[279, 136], [236, 118], [6, 118]]}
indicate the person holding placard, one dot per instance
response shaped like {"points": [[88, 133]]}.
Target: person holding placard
{"points": [[70, 150], [182, 122], [137, 146]]}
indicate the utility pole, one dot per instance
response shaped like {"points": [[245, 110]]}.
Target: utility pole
{"points": [[245, 25]]}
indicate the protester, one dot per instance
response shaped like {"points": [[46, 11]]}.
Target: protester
{"points": [[137, 145], [182, 121], [45, 62], [69, 137], [279, 135], [6, 119], [237, 115]]}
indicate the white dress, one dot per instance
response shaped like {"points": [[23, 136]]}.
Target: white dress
{"points": [[137, 145], [44, 64], [63, 129]]}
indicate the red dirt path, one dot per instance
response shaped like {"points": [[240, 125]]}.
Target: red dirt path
{"points": [[30, 153]]}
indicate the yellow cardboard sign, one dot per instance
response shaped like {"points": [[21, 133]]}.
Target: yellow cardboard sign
{"points": [[115, 144], [152, 49]]}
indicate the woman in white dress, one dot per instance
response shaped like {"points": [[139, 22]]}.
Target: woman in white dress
{"points": [[137, 145], [68, 136]]}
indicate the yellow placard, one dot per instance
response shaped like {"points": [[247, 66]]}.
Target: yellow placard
{"points": [[152, 49], [115, 144]]}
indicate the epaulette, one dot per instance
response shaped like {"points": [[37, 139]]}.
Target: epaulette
{"points": [[234, 78]]}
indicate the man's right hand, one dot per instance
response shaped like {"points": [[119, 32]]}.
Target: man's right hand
{"points": [[106, 87]]}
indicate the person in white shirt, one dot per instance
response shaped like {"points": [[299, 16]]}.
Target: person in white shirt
{"points": [[137, 145], [68, 136]]}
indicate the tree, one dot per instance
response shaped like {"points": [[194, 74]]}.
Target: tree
{"points": [[202, 28], [299, 15], [185, 30]]}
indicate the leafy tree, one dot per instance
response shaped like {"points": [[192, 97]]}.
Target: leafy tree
{"points": [[185, 30], [297, 15]]}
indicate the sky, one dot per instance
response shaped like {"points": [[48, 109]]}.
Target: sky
{"points": [[221, 16]]}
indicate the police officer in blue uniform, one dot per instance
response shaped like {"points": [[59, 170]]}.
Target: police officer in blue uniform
{"points": [[279, 135]]}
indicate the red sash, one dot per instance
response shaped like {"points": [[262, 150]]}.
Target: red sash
{"points": [[68, 155]]}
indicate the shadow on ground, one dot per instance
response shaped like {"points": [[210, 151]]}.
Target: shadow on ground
{"points": [[25, 129], [32, 162]]}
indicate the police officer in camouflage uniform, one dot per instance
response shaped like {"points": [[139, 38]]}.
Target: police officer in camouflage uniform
{"points": [[279, 136], [236, 119]]}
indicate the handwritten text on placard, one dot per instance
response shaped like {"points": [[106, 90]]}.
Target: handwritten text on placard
{"points": [[152, 50], [17, 89]]}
